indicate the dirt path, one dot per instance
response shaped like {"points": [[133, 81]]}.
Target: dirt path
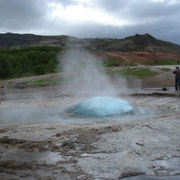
{"points": [[164, 78]]}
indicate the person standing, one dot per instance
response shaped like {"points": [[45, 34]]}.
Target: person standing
{"points": [[177, 78]]}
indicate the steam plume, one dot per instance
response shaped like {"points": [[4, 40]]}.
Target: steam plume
{"points": [[84, 74]]}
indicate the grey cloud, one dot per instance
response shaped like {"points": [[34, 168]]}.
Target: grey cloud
{"points": [[65, 2], [159, 19], [162, 31], [137, 9], [20, 8], [113, 5], [144, 10], [20, 14]]}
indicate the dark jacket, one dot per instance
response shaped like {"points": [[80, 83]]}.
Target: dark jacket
{"points": [[177, 72]]}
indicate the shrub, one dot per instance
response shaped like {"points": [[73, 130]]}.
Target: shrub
{"points": [[15, 62]]}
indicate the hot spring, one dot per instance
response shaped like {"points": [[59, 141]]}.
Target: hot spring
{"points": [[71, 109], [101, 106]]}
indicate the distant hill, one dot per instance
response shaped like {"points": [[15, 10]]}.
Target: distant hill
{"points": [[10, 39], [21, 40], [145, 43], [137, 43]]}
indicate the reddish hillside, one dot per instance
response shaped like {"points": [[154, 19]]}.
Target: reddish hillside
{"points": [[139, 57]]}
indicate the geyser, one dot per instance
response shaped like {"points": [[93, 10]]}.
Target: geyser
{"points": [[101, 106]]}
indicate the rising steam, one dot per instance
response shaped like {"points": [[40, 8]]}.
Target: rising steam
{"points": [[84, 75]]}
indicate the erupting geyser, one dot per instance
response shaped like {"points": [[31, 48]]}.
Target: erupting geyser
{"points": [[101, 106]]}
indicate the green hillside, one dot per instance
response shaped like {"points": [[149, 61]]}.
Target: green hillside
{"points": [[28, 61]]}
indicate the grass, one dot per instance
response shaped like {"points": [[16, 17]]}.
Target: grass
{"points": [[45, 82], [162, 62], [118, 64], [165, 69], [139, 73], [149, 63]]}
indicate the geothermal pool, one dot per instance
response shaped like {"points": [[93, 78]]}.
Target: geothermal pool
{"points": [[101, 106], [39, 139], [74, 110]]}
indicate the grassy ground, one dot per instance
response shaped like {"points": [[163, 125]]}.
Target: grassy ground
{"points": [[140, 73], [38, 83], [118, 64], [165, 69], [162, 62], [45, 82]]}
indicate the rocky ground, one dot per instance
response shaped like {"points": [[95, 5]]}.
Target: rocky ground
{"points": [[141, 146]]}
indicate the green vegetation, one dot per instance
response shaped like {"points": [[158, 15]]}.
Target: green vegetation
{"points": [[34, 60], [167, 62], [162, 62], [140, 73], [111, 64], [45, 82], [165, 69], [117, 64]]}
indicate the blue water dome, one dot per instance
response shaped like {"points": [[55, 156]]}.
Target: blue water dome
{"points": [[101, 106]]}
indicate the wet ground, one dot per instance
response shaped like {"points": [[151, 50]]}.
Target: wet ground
{"points": [[38, 141]]}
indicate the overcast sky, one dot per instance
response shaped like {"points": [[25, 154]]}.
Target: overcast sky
{"points": [[92, 18]]}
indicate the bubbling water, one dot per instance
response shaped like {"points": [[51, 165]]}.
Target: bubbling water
{"points": [[101, 106], [61, 109]]}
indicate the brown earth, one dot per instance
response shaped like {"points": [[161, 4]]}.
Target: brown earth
{"points": [[139, 57]]}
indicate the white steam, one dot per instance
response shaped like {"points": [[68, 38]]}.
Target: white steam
{"points": [[84, 75]]}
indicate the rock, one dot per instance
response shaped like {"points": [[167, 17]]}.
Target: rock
{"points": [[133, 166], [128, 172], [165, 89], [68, 144], [144, 177], [140, 143], [21, 85]]}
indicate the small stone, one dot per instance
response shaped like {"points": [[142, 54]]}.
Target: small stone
{"points": [[68, 144], [140, 144], [165, 89]]}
